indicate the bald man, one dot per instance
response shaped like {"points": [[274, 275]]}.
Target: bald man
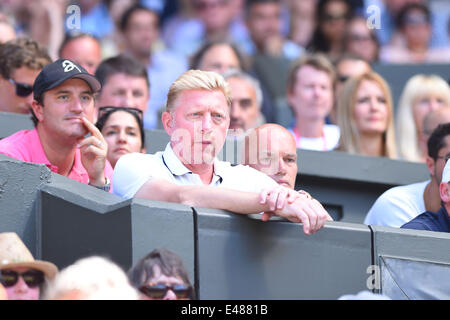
{"points": [[272, 150]]}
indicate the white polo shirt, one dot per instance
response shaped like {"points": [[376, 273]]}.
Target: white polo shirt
{"points": [[134, 169]]}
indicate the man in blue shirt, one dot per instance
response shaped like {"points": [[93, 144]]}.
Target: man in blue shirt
{"points": [[440, 220]]}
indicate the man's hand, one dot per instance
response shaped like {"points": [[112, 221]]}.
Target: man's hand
{"points": [[93, 154], [307, 211], [278, 197]]}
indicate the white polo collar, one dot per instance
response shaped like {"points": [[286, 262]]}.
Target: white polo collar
{"points": [[177, 168]]}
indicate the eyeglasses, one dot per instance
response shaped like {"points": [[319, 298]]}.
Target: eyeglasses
{"points": [[22, 89], [32, 278], [446, 157], [334, 17], [104, 110], [244, 103], [159, 290], [361, 37]]}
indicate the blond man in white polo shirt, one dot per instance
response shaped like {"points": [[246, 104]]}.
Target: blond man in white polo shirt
{"points": [[197, 118]]}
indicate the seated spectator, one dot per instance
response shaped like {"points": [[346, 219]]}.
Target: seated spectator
{"points": [[365, 117], [123, 130], [218, 56], [62, 109], [22, 277], [7, 31], [414, 24], [435, 221], [96, 19], [201, 21], [82, 48], [302, 21], [400, 204], [264, 23], [271, 149], [430, 122], [140, 29], [246, 104], [91, 278], [42, 21], [421, 94], [124, 83], [21, 60], [310, 87], [161, 275], [360, 40], [188, 172], [347, 66], [332, 18]]}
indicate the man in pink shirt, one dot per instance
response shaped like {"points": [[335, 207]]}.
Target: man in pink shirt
{"points": [[64, 138]]}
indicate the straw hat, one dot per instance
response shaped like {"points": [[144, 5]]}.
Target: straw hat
{"points": [[14, 254]]}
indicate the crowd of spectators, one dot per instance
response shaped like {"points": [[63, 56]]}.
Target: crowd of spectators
{"points": [[94, 74]]}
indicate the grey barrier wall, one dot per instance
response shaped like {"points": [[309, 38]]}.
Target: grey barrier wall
{"points": [[412, 264], [228, 256], [244, 258], [19, 186], [76, 220]]}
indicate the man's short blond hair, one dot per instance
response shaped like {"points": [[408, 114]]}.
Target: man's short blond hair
{"points": [[197, 80]]}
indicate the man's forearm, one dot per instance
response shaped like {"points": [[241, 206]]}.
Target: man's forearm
{"points": [[203, 196], [222, 198]]}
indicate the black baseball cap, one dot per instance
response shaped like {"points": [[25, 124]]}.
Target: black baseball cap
{"points": [[53, 74]]}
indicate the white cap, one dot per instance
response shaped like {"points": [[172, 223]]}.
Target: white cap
{"points": [[446, 172]]}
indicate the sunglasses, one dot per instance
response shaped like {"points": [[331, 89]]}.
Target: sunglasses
{"points": [[32, 278], [104, 110], [159, 290], [334, 17], [22, 89]]}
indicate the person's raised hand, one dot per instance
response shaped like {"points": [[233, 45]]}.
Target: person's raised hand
{"points": [[93, 154]]}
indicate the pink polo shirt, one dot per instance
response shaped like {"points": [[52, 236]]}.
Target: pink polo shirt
{"points": [[25, 145]]}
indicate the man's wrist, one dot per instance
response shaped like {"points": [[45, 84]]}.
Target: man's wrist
{"points": [[106, 186]]}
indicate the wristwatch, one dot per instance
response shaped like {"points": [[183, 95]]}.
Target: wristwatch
{"points": [[106, 187]]}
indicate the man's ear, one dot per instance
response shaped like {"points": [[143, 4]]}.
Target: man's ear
{"points": [[38, 110], [167, 121], [430, 165], [443, 190]]}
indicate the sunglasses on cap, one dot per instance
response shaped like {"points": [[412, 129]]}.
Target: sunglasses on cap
{"points": [[32, 278], [104, 110], [159, 290], [22, 89]]}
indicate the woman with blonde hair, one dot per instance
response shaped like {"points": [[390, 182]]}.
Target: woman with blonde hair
{"points": [[421, 94], [365, 117]]}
